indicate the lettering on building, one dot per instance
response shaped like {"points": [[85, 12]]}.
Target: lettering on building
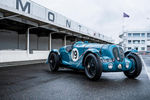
{"points": [[51, 16], [79, 27], [24, 7], [68, 23]]}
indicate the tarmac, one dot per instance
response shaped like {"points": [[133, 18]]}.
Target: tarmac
{"points": [[36, 82]]}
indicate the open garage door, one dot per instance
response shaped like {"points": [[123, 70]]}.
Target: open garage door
{"points": [[8, 40]]}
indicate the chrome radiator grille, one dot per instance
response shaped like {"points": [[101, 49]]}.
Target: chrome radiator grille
{"points": [[118, 53], [121, 54]]}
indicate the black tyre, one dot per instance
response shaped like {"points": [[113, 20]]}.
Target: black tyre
{"points": [[54, 61], [93, 66], [134, 72]]}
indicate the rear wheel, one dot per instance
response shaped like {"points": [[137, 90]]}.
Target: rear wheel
{"points": [[136, 68], [93, 66], [54, 61]]}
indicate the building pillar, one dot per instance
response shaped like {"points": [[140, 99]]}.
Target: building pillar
{"points": [[18, 40], [76, 39], [37, 42], [50, 41], [65, 41], [28, 40]]}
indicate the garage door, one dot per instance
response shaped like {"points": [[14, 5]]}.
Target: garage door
{"points": [[8, 40]]}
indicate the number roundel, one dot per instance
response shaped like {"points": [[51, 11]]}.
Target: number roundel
{"points": [[75, 54]]}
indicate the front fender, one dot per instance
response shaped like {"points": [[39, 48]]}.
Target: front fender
{"points": [[53, 50], [126, 53], [129, 52], [92, 50]]}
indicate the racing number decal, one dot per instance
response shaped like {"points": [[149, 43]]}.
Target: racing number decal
{"points": [[75, 54]]}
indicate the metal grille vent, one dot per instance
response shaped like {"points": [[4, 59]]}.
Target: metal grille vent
{"points": [[121, 54], [116, 53]]}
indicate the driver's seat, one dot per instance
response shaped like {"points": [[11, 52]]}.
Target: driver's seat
{"points": [[69, 48]]}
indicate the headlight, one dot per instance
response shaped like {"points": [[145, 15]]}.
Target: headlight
{"points": [[110, 65], [127, 65], [119, 66]]}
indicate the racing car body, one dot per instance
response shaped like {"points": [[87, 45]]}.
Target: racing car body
{"points": [[95, 58]]}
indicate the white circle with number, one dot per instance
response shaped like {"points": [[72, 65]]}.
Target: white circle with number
{"points": [[75, 54]]}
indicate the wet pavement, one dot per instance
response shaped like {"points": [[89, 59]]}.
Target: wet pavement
{"points": [[146, 60], [36, 82]]}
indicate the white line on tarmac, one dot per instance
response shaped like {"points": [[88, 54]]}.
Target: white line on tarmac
{"points": [[148, 74]]}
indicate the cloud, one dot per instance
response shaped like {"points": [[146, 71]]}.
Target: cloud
{"points": [[104, 16]]}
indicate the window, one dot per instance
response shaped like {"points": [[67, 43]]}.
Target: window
{"points": [[129, 34], [129, 48], [143, 34], [148, 34], [142, 41], [136, 34], [142, 48], [148, 48], [136, 41], [129, 41]]}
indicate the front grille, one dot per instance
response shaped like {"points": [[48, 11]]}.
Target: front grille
{"points": [[118, 53], [121, 54]]}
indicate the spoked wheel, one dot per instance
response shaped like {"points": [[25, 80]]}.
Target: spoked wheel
{"points": [[54, 61], [93, 67], [136, 66]]}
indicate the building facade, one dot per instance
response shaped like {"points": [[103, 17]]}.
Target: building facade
{"points": [[139, 40], [28, 31]]}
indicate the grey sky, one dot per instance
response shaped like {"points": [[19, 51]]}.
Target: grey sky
{"points": [[104, 16]]}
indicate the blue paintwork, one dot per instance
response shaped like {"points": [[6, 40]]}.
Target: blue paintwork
{"points": [[134, 50], [85, 47]]}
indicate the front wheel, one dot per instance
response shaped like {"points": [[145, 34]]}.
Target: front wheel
{"points": [[54, 61], [136, 66], [93, 66]]}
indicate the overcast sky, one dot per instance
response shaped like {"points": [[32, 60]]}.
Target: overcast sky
{"points": [[104, 16]]}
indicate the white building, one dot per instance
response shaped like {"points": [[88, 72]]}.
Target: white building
{"points": [[136, 39]]}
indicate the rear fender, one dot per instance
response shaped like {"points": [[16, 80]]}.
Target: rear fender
{"points": [[53, 50]]}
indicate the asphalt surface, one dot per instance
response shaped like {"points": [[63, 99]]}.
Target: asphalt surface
{"points": [[36, 82], [146, 58]]}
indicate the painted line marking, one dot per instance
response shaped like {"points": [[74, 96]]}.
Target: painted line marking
{"points": [[148, 74]]}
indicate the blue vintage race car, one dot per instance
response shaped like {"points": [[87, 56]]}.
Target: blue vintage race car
{"points": [[95, 58]]}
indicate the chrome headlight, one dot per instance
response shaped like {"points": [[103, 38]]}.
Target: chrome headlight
{"points": [[110, 65], [127, 65], [119, 66]]}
